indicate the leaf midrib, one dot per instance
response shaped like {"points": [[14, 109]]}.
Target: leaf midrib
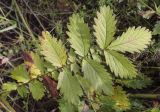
{"points": [[56, 41]]}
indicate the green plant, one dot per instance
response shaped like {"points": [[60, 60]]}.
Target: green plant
{"points": [[6, 24], [83, 74]]}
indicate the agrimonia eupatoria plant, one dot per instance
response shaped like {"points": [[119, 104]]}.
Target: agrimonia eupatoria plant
{"points": [[88, 69]]}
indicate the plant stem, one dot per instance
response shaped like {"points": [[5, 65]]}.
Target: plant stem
{"points": [[6, 105], [145, 96], [146, 5], [150, 67], [25, 23]]}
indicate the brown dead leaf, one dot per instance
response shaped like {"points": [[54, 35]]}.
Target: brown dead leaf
{"points": [[51, 86]]}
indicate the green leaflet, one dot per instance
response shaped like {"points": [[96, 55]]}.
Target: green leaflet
{"points": [[69, 86], [105, 26], [107, 103], [121, 99], [22, 91], [65, 106], [140, 82], [53, 50], [156, 29], [20, 74], [79, 35], [95, 54], [71, 56], [51, 70], [35, 65], [120, 65], [85, 84], [75, 68], [38, 62], [9, 86], [37, 89], [95, 73], [133, 40]]}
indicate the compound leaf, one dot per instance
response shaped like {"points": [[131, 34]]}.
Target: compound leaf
{"points": [[79, 35], [105, 26]]}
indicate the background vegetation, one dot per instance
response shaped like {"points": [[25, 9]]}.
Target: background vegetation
{"points": [[22, 21]]}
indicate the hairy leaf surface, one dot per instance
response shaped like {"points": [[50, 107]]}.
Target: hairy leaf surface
{"points": [[53, 50], [22, 91], [9, 86], [120, 65], [37, 89], [133, 40], [69, 86], [140, 82], [20, 74], [38, 62], [97, 76], [65, 106], [79, 35], [105, 26], [121, 99], [35, 66]]}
